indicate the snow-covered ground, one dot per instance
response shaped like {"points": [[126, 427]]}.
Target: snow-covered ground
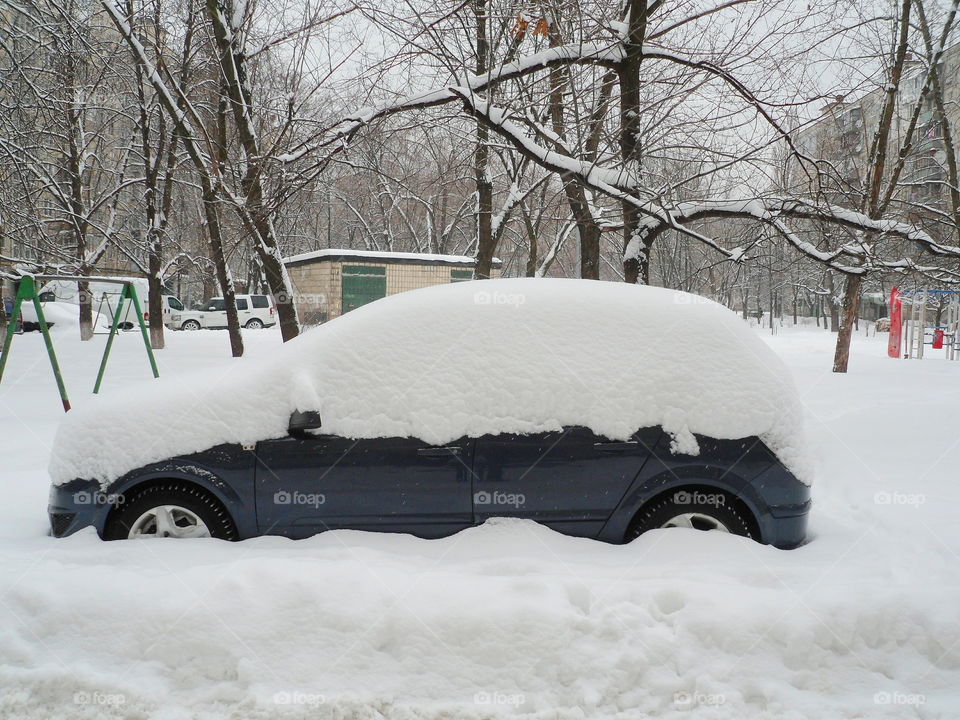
{"points": [[508, 619]]}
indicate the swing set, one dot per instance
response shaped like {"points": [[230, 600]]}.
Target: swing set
{"points": [[27, 292]]}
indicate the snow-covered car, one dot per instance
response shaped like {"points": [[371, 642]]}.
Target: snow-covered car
{"points": [[61, 299], [59, 315], [601, 410], [254, 311]]}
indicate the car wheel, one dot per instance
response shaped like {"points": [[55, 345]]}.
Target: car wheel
{"points": [[190, 325], [169, 510], [254, 324], [693, 509]]}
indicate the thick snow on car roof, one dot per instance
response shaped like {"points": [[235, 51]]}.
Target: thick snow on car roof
{"points": [[467, 359]]}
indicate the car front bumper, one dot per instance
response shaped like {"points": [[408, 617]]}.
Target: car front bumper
{"points": [[786, 527], [76, 505], [783, 520]]}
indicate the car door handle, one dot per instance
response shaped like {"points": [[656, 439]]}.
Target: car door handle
{"points": [[616, 446], [449, 451]]}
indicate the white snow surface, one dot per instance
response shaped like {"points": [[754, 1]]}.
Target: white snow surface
{"points": [[508, 619], [468, 359], [384, 255]]}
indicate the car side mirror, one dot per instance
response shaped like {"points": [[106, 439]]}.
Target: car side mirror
{"points": [[303, 420]]}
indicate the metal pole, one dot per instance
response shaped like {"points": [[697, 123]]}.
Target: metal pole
{"points": [[106, 350], [128, 292], [27, 291], [909, 330], [53, 356], [922, 328], [952, 326], [11, 326], [143, 329]]}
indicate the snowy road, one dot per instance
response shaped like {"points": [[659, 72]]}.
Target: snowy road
{"points": [[509, 619]]}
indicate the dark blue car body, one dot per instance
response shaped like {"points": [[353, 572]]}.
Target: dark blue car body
{"points": [[571, 480]]}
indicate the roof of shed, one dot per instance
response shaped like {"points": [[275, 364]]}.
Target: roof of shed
{"points": [[397, 258]]}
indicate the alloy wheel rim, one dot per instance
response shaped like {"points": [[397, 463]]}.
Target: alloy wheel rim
{"points": [[695, 521], [168, 521]]}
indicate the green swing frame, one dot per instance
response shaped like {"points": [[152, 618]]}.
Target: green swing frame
{"points": [[27, 292]]}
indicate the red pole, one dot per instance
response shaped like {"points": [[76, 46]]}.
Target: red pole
{"points": [[896, 328]]}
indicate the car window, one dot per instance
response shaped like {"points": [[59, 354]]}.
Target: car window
{"points": [[174, 303], [215, 305], [241, 303], [259, 301]]}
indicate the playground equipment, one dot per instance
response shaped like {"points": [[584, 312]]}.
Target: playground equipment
{"points": [[27, 292], [909, 332]]}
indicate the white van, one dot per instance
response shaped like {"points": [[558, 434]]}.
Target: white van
{"points": [[254, 311], [60, 299]]}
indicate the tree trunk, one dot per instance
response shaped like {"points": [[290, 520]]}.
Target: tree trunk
{"points": [[531, 269], [481, 159], [215, 236], [874, 183], [635, 269], [589, 251], [151, 197], [773, 308], [832, 303], [155, 303], [851, 301], [86, 308], [588, 232], [256, 216]]}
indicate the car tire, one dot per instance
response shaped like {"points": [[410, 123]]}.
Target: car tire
{"points": [[190, 325], [254, 324], [188, 511], [700, 509]]}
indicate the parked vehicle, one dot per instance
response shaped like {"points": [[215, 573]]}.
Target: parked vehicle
{"points": [[254, 312], [425, 396], [60, 299]]}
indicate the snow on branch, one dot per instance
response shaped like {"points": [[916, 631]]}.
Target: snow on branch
{"points": [[601, 53], [660, 215], [180, 113], [604, 53]]}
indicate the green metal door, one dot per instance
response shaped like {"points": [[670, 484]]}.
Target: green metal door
{"points": [[362, 284]]}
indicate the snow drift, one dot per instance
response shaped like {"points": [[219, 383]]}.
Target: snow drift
{"points": [[466, 359]]}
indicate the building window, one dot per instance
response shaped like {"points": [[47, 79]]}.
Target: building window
{"points": [[460, 275]]}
